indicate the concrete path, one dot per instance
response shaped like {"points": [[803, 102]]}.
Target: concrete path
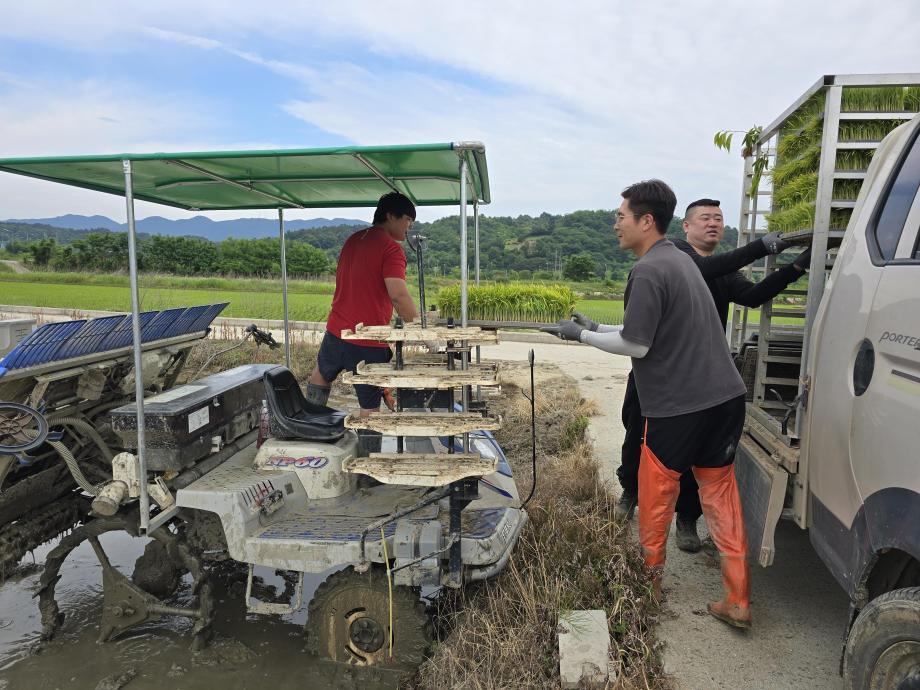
{"points": [[15, 265], [799, 610]]}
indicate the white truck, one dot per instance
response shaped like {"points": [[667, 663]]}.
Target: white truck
{"points": [[830, 440]]}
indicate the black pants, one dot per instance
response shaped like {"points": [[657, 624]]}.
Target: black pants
{"points": [[336, 355], [688, 502], [706, 438]]}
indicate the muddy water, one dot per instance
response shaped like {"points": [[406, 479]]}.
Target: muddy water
{"points": [[247, 651]]}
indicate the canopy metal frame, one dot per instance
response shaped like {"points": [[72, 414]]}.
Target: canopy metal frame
{"points": [[472, 189]]}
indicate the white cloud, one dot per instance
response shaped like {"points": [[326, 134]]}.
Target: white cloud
{"points": [[574, 100]]}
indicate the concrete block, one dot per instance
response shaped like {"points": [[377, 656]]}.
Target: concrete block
{"points": [[584, 648]]}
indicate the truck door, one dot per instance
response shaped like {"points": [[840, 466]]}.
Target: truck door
{"points": [[885, 427], [854, 412]]}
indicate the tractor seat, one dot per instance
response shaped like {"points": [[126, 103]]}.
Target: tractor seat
{"points": [[292, 417]]}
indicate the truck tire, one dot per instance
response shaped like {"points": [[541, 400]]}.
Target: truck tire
{"points": [[883, 647]]}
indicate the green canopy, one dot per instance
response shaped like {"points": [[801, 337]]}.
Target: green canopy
{"points": [[429, 174]]}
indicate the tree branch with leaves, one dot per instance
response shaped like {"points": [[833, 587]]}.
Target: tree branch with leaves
{"points": [[723, 140]]}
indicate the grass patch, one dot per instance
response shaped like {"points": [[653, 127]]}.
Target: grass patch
{"points": [[6, 268], [570, 555], [255, 305]]}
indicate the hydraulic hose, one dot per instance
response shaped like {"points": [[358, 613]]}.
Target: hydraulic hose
{"points": [[74, 467], [85, 427]]}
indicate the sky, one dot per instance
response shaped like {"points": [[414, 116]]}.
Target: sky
{"points": [[573, 100]]}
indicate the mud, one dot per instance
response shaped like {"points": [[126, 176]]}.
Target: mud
{"points": [[247, 650]]}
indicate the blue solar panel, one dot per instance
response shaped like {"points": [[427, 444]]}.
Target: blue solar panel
{"points": [[183, 322], [55, 342], [41, 345], [156, 329], [122, 335], [87, 339], [207, 316]]}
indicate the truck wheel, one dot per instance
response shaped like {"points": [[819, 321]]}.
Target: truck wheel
{"points": [[883, 648]]}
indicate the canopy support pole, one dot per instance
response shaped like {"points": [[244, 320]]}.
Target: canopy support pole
{"points": [[464, 287], [464, 490], [464, 249], [476, 235], [284, 290], [138, 368], [476, 263]]}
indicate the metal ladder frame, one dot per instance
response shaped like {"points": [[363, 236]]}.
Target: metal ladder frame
{"points": [[768, 331]]}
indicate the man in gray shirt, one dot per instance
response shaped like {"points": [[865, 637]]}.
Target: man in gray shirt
{"points": [[690, 393]]}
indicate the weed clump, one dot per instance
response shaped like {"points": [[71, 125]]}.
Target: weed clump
{"points": [[572, 554]]}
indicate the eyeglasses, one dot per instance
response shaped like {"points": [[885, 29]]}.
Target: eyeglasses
{"points": [[621, 216]]}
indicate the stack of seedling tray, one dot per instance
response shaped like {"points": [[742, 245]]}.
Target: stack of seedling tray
{"points": [[866, 115]]}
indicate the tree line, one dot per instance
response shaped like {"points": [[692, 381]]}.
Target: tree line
{"points": [[107, 252], [579, 246]]}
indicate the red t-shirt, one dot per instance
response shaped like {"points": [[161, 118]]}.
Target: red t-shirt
{"points": [[361, 296]]}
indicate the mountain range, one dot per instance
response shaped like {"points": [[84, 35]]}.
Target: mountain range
{"points": [[197, 226]]}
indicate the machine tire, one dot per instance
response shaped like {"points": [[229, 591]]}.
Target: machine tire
{"points": [[883, 647], [347, 597]]}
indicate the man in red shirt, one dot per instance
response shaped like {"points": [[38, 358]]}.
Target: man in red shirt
{"points": [[370, 281]]}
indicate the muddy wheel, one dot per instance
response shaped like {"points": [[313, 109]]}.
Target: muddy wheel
{"points": [[349, 621], [883, 648]]}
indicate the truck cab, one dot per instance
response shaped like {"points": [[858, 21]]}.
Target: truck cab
{"points": [[860, 446], [832, 434]]}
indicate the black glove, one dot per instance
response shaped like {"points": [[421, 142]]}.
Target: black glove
{"points": [[583, 320], [803, 260], [774, 243], [565, 329]]}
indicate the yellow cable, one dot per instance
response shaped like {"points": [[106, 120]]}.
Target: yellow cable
{"points": [[386, 560]]}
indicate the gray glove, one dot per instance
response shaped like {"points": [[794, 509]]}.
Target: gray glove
{"points": [[774, 242], [565, 329], [583, 320], [803, 260]]}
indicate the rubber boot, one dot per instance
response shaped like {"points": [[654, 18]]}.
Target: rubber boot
{"points": [[658, 490], [623, 510], [687, 538], [317, 395], [722, 509]]}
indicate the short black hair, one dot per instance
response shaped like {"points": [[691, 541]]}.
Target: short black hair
{"points": [[395, 203], [654, 197], [702, 202]]}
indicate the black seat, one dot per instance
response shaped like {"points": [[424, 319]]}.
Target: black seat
{"points": [[292, 416]]}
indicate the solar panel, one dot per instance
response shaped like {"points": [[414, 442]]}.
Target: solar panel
{"points": [[55, 342]]}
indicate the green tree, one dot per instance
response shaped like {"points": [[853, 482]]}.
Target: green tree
{"points": [[100, 251], [306, 260], [579, 267], [41, 252], [180, 255]]}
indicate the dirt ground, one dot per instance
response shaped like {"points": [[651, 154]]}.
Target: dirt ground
{"points": [[799, 610]]}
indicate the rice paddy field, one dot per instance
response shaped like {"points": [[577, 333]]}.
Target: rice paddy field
{"points": [[263, 303], [245, 304]]}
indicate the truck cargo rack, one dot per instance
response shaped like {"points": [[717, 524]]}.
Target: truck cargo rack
{"points": [[829, 122]]}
